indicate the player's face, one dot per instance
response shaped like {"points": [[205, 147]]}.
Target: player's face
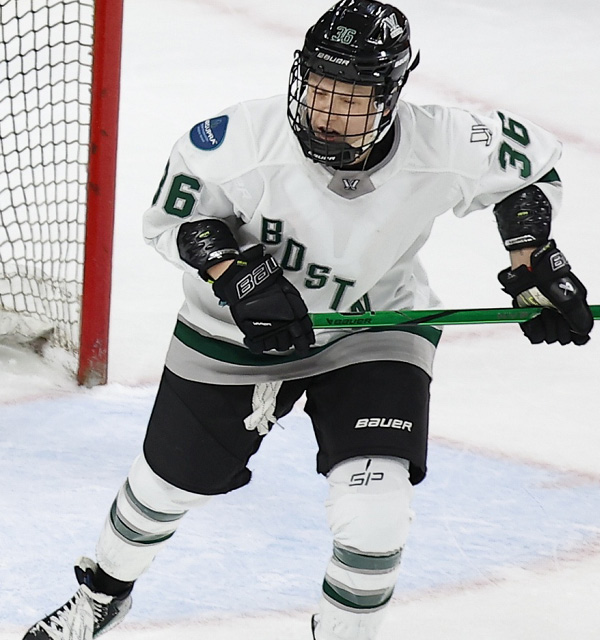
{"points": [[340, 111]]}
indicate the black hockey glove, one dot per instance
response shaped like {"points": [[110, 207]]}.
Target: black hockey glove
{"points": [[264, 304], [550, 283]]}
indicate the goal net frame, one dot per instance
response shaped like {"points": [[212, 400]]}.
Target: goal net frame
{"points": [[94, 304]]}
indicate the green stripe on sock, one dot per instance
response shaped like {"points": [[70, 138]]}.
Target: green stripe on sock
{"points": [[361, 602], [159, 516], [130, 535], [364, 562]]}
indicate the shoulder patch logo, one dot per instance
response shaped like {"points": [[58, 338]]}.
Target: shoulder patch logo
{"points": [[209, 134]]}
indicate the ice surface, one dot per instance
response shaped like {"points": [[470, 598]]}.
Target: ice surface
{"points": [[506, 541]]}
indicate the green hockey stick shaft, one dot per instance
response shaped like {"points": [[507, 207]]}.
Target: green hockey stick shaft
{"points": [[434, 317]]}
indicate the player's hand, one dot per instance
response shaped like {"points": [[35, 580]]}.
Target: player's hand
{"points": [[550, 283], [264, 304]]}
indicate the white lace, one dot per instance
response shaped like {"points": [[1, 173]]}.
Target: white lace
{"points": [[264, 400], [73, 621]]}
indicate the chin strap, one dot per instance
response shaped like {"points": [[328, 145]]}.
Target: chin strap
{"points": [[415, 63]]}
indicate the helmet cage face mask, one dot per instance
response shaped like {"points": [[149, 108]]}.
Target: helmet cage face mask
{"points": [[345, 82], [337, 122]]}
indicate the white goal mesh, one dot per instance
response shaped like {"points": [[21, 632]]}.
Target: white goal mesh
{"points": [[45, 95]]}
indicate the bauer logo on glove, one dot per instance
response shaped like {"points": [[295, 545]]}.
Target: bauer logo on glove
{"points": [[558, 261], [266, 307], [257, 276]]}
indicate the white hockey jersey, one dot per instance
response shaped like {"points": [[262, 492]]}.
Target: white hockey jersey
{"points": [[348, 240]]}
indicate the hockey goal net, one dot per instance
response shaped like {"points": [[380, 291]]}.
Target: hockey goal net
{"points": [[59, 93]]}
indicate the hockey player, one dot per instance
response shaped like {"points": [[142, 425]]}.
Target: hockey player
{"points": [[273, 213]]}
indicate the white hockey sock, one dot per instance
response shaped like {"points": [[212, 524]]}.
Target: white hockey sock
{"points": [[369, 514], [144, 515]]}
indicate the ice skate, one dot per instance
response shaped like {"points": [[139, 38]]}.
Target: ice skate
{"points": [[314, 621], [86, 615]]}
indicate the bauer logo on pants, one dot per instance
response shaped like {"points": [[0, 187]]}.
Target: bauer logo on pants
{"points": [[389, 423]]}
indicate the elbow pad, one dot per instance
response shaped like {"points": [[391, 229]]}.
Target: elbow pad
{"points": [[524, 218], [205, 243]]}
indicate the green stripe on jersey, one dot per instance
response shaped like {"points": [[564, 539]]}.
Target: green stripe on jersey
{"points": [[551, 176], [235, 354]]}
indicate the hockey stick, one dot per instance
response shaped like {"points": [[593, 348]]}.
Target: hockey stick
{"points": [[428, 317]]}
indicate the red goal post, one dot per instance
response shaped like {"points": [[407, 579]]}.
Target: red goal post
{"points": [[102, 165], [59, 102]]}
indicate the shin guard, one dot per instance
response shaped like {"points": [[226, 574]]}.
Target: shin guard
{"points": [[369, 514]]}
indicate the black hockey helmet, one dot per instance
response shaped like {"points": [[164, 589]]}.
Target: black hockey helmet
{"points": [[356, 43]]}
